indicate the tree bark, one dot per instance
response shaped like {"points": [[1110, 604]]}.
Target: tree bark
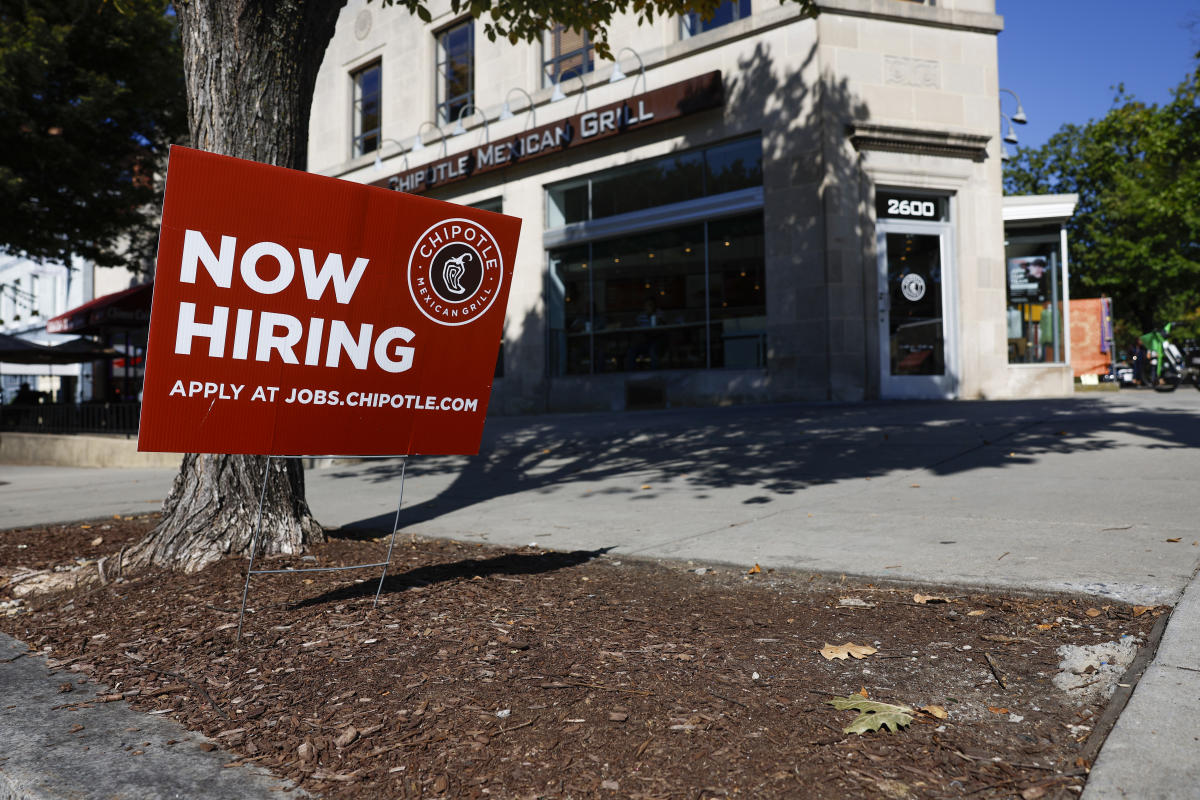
{"points": [[213, 508], [250, 68]]}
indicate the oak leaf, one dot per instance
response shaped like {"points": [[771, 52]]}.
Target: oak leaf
{"points": [[844, 651], [936, 711], [872, 715]]}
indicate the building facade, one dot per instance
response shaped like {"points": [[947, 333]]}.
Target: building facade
{"points": [[757, 207], [32, 296]]}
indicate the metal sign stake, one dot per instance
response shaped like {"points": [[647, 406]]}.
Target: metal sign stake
{"points": [[250, 570]]}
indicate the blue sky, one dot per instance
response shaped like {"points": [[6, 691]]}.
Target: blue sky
{"points": [[1064, 56]]}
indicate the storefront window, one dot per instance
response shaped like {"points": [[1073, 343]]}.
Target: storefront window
{"points": [[687, 297], [1035, 296], [657, 182]]}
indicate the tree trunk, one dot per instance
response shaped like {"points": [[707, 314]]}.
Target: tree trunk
{"points": [[213, 508], [250, 67]]}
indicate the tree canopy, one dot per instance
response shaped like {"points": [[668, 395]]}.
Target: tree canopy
{"points": [[1135, 235], [91, 94]]}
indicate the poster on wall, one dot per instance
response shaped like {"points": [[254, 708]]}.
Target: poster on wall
{"points": [[299, 314], [1027, 279]]}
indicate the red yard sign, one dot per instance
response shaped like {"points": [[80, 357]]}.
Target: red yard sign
{"points": [[299, 314]]}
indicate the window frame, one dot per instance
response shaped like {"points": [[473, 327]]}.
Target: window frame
{"points": [[552, 57], [447, 108], [691, 24], [359, 137]]}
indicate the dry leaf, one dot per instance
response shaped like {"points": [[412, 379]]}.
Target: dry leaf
{"points": [[873, 715], [916, 486], [844, 651], [346, 737], [1093, 612], [996, 710], [863, 692], [85, 527], [1176, 539], [922, 599], [645, 486], [1045, 627], [754, 570], [978, 613], [936, 711], [1139, 610]]}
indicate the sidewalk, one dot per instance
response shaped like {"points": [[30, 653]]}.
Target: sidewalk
{"points": [[1081, 494], [102, 751]]}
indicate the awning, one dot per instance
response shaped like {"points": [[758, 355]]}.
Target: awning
{"points": [[15, 350], [126, 309]]}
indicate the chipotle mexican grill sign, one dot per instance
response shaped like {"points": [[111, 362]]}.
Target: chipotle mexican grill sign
{"points": [[296, 314], [651, 108]]}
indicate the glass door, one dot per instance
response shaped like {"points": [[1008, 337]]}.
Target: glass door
{"points": [[915, 310]]}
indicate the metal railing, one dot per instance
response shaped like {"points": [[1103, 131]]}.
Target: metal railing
{"points": [[71, 418]]}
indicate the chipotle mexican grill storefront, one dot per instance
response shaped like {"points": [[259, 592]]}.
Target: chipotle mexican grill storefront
{"points": [[753, 208]]}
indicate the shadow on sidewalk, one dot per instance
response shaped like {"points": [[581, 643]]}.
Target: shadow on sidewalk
{"points": [[778, 449]]}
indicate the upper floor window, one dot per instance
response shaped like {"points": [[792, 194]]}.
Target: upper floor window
{"points": [[729, 11], [368, 93], [567, 54], [455, 71]]}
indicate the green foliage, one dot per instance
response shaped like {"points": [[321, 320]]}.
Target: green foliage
{"points": [[872, 715], [527, 20], [91, 94], [1135, 235]]}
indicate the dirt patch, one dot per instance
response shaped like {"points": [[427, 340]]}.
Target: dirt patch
{"points": [[527, 673]]}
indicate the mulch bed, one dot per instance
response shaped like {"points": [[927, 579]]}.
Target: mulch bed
{"points": [[527, 673]]}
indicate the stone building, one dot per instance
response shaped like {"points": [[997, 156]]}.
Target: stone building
{"points": [[753, 208]]}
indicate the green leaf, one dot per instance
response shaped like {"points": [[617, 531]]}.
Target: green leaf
{"points": [[872, 715]]}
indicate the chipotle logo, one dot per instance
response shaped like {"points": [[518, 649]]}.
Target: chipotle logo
{"points": [[455, 271]]}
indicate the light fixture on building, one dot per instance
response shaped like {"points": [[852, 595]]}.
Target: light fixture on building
{"points": [[1010, 135], [618, 75], [583, 96], [1018, 117], [466, 111], [506, 112], [379, 154], [419, 145], [558, 94]]}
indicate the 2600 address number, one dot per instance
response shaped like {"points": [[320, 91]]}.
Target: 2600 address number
{"points": [[912, 208]]}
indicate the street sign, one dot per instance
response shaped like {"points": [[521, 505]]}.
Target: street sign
{"points": [[299, 314]]}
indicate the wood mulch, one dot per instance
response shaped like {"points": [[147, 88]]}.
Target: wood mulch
{"points": [[527, 673]]}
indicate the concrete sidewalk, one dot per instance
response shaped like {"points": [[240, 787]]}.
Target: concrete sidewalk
{"points": [[103, 751], [1080, 494]]}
